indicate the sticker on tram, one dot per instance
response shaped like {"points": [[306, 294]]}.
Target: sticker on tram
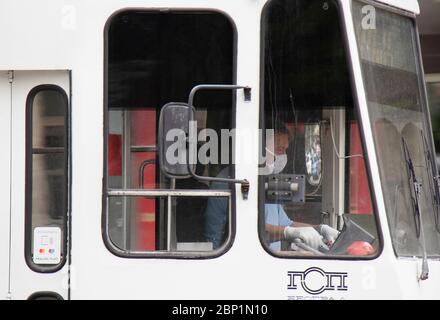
{"points": [[47, 245]]}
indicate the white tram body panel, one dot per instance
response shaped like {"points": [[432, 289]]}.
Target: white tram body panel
{"points": [[63, 43]]}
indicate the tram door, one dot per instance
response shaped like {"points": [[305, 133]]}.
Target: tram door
{"points": [[38, 151], [5, 119]]}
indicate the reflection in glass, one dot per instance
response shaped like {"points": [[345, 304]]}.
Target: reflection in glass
{"points": [[48, 198], [48, 120], [186, 232], [313, 153]]}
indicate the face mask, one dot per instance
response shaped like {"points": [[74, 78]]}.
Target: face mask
{"points": [[279, 163]]}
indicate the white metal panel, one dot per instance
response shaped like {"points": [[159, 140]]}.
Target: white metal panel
{"points": [[24, 281], [42, 28], [5, 121]]}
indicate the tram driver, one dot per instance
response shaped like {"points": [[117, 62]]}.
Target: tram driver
{"points": [[278, 225]]}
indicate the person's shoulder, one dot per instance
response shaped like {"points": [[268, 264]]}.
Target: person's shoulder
{"points": [[224, 173], [271, 206]]}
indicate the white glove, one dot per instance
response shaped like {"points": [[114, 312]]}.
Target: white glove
{"points": [[328, 233], [308, 235]]}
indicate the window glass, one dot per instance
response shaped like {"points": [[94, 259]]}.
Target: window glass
{"points": [[155, 58], [48, 128], [434, 108], [46, 179], [393, 82], [314, 191]]}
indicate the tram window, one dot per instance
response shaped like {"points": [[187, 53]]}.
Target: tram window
{"points": [[314, 197], [154, 58], [46, 178], [389, 55]]}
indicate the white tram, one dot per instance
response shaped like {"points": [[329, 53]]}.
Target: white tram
{"points": [[290, 117]]}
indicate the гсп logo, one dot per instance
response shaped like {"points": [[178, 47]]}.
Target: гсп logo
{"points": [[315, 280]]}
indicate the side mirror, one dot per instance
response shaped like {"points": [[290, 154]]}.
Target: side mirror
{"points": [[177, 154], [174, 122]]}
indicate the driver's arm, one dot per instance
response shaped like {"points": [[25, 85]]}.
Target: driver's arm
{"points": [[276, 220], [275, 233], [304, 225]]}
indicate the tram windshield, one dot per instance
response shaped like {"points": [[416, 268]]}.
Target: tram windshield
{"points": [[314, 189], [397, 108]]}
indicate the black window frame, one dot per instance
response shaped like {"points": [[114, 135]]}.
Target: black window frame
{"points": [[356, 106], [29, 179], [111, 247], [45, 295]]}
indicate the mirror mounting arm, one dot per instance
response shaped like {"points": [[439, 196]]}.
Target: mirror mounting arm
{"points": [[245, 185], [247, 90]]}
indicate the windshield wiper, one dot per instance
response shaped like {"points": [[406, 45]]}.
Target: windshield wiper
{"points": [[434, 182], [416, 187]]}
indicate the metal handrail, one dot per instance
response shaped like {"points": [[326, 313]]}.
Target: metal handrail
{"points": [[167, 193]]}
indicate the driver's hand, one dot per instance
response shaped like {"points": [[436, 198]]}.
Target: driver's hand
{"points": [[328, 233], [308, 235]]}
